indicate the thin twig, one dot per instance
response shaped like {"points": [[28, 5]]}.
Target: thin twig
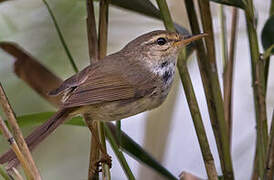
{"points": [[7, 134], [30, 165], [17, 175], [192, 101], [60, 35], [269, 164], [228, 72]]}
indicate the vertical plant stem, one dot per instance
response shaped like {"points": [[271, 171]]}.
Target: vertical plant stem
{"points": [[119, 154], [269, 164], [217, 95], [223, 34], [189, 91], [258, 81], [30, 167], [91, 32], [208, 70], [93, 174], [228, 72], [94, 156], [102, 45], [197, 119], [60, 35]]}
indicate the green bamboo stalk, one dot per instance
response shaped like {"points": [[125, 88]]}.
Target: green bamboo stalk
{"points": [[269, 164], [189, 91], [258, 79], [102, 47], [197, 119], [223, 35], [215, 86], [60, 35], [209, 88], [119, 154]]}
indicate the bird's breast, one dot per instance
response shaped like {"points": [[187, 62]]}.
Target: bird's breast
{"points": [[165, 72]]}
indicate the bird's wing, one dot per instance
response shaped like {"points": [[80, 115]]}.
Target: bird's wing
{"points": [[106, 83]]}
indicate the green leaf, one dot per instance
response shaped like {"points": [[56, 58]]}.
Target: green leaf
{"points": [[39, 118], [128, 145], [268, 52], [267, 34], [4, 173], [236, 3], [140, 6]]}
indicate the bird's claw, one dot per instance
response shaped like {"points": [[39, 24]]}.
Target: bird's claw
{"points": [[105, 159]]}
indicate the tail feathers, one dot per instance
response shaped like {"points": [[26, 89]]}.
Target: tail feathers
{"points": [[38, 135]]}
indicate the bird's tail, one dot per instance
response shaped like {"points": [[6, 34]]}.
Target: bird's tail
{"points": [[38, 135]]}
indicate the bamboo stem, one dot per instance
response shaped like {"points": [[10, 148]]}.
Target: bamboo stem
{"points": [[93, 174], [197, 119], [7, 134], [269, 164], [102, 47], [30, 167], [193, 105], [91, 32], [215, 86], [258, 81], [223, 34], [207, 66], [228, 72]]}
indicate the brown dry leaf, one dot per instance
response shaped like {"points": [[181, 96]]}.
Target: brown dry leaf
{"points": [[32, 72]]}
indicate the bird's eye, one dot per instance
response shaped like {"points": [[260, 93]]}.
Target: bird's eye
{"points": [[161, 41]]}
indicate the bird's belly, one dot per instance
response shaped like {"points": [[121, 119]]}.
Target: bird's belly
{"points": [[122, 109]]}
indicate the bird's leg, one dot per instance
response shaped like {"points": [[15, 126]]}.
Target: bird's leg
{"points": [[105, 158]]}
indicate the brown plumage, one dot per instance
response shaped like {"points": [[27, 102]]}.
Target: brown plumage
{"points": [[133, 80]]}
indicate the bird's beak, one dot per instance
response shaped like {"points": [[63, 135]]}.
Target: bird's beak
{"points": [[186, 40]]}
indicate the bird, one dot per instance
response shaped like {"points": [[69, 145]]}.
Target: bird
{"points": [[135, 79]]}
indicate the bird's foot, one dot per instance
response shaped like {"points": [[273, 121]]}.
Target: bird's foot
{"points": [[105, 159]]}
